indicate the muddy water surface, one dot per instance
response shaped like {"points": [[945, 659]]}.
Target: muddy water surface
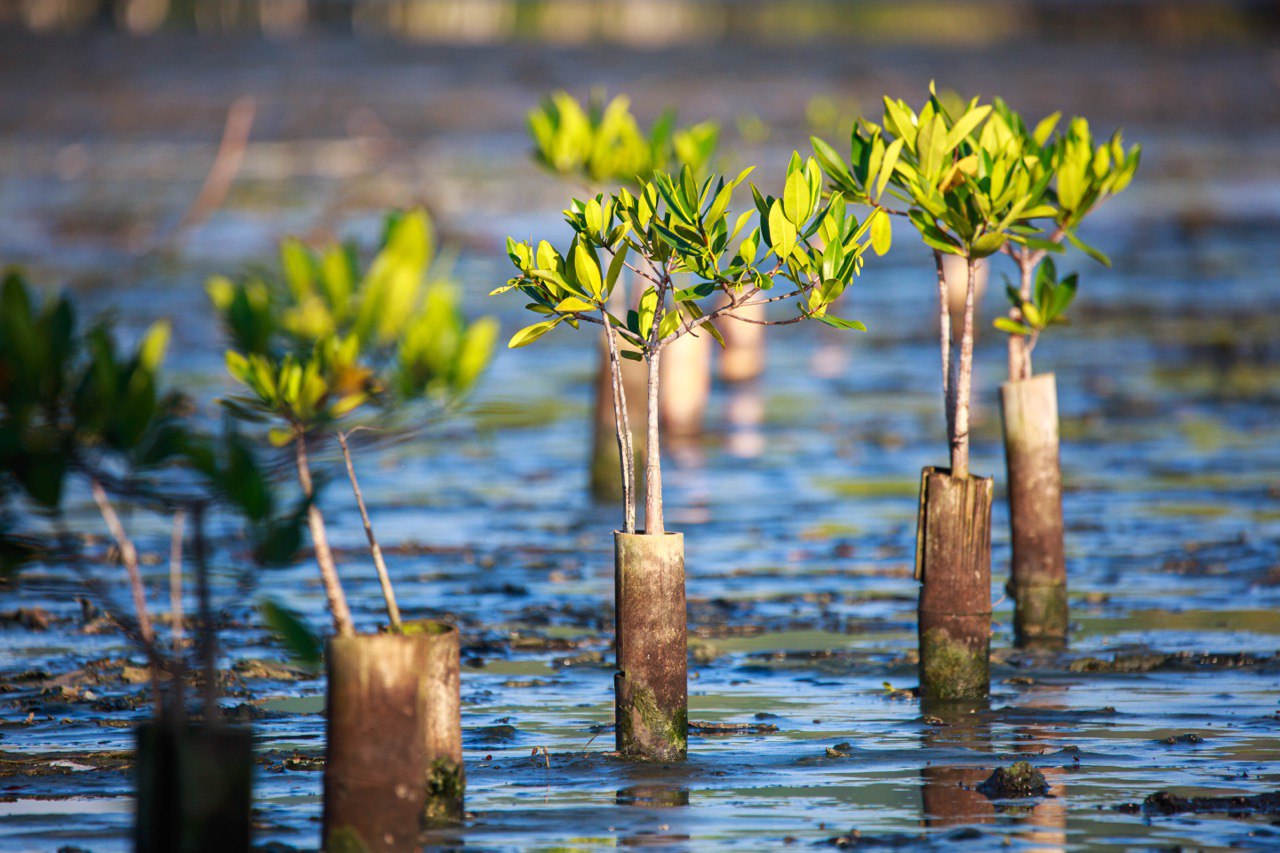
{"points": [[798, 510]]}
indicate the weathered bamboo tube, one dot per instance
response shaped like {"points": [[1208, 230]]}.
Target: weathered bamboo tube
{"points": [[393, 760], [685, 386], [742, 358], [194, 788], [1038, 572], [606, 473], [651, 690], [953, 564]]}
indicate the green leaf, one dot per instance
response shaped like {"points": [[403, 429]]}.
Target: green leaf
{"points": [[1013, 327], [782, 234], [615, 269], [648, 306], [1096, 254], [529, 334], [796, 203], [574, 305], [841, 323], [587, 270], [881, 231]]}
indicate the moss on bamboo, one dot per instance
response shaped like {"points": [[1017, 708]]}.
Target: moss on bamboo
{"points": [[951, 669]]}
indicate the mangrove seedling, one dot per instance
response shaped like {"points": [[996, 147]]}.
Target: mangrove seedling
{"points": [[968, 193], [1081, 176], [674, 234], [318, 348], [75, 409]]}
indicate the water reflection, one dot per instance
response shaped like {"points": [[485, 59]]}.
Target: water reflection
{"points": [[1047, 821], [949, 793], [744, 413], [653, 795]]}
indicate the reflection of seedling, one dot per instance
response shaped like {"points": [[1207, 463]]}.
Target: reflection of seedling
{"points": [[1050, 300]]}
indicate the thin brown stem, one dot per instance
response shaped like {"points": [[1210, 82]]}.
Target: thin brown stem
{"points": [[653, 523], [384, 577], [320, 542], [960, 439], [129, 556], [1019, 345], [622, 427], [944, 335], [175, 580]]}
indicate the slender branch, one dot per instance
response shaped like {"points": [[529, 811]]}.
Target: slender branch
{"points": [[653, 522], [635, 270], [129, 556], [631, 337], [622, 427], [175, 580], [1020, 346], [384, 577], [320, 541], [960, 441], [944, 335]]}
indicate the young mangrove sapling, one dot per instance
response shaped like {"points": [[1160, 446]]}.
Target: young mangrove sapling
{"points": [[968, 191], [1081, 176], [801, 253]]}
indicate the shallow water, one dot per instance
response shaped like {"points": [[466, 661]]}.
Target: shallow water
{"points": [[798, 510]]}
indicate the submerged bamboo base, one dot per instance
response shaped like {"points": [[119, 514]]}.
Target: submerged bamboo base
{"points": [[194, 788], [953, 564], [1038, 572], [651, 683], [393, 764]]}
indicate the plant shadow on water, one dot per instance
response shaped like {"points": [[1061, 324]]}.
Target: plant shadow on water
{"points": [[801, 597]]}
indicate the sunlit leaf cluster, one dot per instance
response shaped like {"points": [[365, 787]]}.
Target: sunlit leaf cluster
{"points": [[321, 338], [976, 178], [1051, 297], [66, 392], [694, 256], [603, 144]]}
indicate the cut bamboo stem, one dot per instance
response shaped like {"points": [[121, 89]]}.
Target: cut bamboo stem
{"points": [[651, 681], [686, 385], [393, 761], [1038, 573], [953, 564], [194, 788]]}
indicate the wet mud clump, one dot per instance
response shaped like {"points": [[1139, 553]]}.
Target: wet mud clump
{"points": [[1164, 803], [1014, 782]]}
